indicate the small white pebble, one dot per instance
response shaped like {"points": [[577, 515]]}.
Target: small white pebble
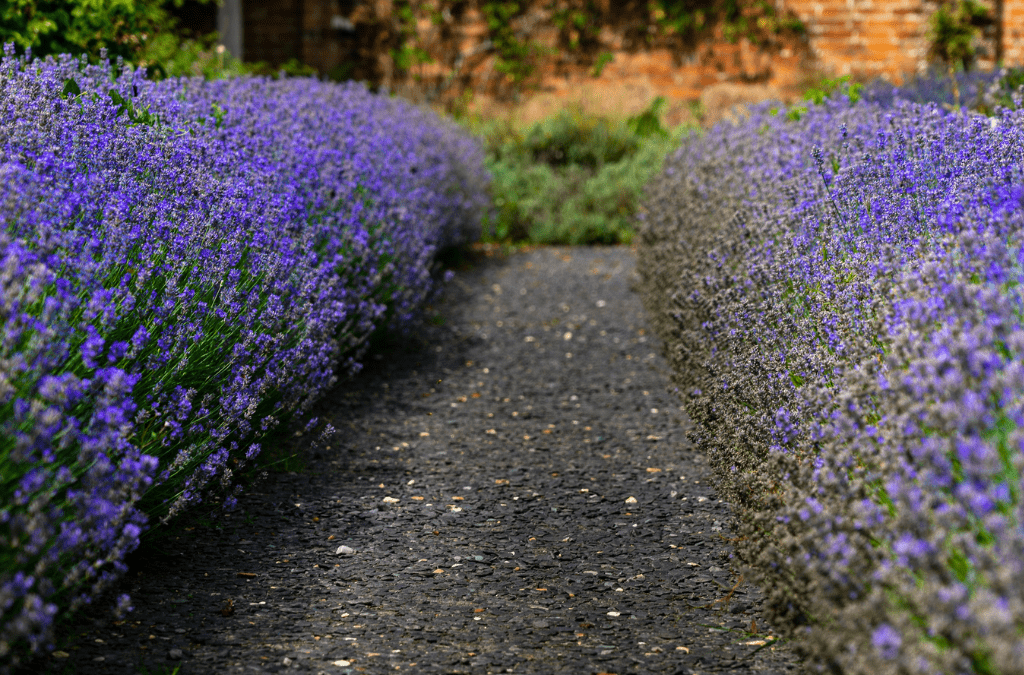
{"points": [[631, 500], [390, 500]]}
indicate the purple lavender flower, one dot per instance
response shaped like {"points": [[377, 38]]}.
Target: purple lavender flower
{"points": [[843, 288], [175, 287], [886, 640]]}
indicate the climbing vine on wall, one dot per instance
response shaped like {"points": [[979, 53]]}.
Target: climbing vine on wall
{"points": [[407, 51], [954, 29], [757, 20], [522, 35], [516, 54]]}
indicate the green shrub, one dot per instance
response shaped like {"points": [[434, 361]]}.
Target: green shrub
{"points": [[572, 138], [573, 178], [141, 32]]}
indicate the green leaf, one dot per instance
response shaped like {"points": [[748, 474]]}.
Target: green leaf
{"points": [[71, 88]]}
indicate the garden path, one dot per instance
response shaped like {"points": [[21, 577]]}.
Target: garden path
{"points": [[511, 490]]}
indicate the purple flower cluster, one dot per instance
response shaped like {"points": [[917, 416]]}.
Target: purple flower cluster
{"points": [[841, 299], [185, 266]]}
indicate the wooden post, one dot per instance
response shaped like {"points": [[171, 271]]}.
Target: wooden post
{"points": [[229, 26], [998, 12]]}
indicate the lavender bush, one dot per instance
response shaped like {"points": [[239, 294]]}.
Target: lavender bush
{"points": [[185, 266], [840, 295]]}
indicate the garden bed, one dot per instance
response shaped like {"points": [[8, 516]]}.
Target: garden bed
{"points": [[187, 267], [838, 286]]}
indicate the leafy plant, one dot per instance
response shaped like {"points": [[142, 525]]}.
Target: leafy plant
{"points": [[602, 60], [407, 54], [648, 122], [577, 26], [141, 32], [757, 20], [574, 178], [1006, 92], [818, 93], [572, 138], [168, 55], [516, 56], [953, 29]]}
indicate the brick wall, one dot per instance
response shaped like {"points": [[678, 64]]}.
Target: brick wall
{"points": [[1013, 32], [890, 37], [354, 38]]}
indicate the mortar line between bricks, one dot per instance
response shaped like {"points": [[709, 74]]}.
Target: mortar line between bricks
{"points": [[511, 490]]}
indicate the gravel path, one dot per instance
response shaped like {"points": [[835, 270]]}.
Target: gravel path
{"points": [[513, 490]]}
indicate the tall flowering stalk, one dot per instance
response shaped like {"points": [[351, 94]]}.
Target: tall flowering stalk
{"points": [[186, 266], [840, 294]]}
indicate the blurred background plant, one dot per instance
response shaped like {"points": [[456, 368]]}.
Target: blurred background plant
{"points": [[954, 29], [572, 178], [141, 32], [953, 32], [146, 33], [124, 28]]}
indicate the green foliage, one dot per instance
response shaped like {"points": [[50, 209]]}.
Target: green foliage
{"points": [[167, 55], [684, 17], [572, 138], [757, 20], [141, 32], [648, 122], [1006, 94], [603, 59], [829, 87], [516, 57], [824, 89], [407, 54], [574, 178], [954, 26], [124, 28], [577, 26], [73, 92], [135, 115]]}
